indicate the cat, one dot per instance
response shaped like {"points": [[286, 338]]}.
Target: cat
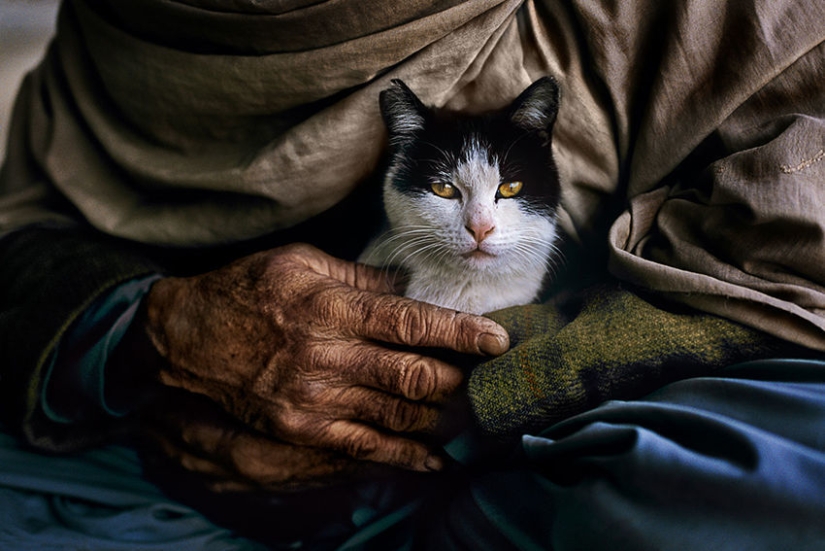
{"points": [[470, 200]]}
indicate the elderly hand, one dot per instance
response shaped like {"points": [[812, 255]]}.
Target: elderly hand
{"points": [[190, 434], [314, 351]]}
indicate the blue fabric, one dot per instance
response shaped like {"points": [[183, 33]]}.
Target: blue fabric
{"points": [[79, 364], [95, 501], [725, 463]]}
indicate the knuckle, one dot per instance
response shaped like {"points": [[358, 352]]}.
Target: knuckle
{"points": [[412, 325], [311, 363], [292, 425], [189, 436], [319, 300], [249, 462], [292, 253], [329, 305], [417, 380], [407, 455], [242, 461], [298, 249], [310, 357], [189, 463], [362, 444], [404, 416]]}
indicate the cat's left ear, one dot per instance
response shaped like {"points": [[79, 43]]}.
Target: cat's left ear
{"points": [[403, 113], [535, 110]]}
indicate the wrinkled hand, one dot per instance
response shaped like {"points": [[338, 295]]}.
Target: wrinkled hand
{"points": [[314, 351], [195, 435]]}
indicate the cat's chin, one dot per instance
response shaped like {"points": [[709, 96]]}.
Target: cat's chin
{"points": [[480, 261], [479, 255]]}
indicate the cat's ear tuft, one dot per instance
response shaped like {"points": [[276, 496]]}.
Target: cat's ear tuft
{"points": [[536, 108], [403, 113]]}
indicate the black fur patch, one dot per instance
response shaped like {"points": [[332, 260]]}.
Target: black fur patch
{"points": [[427, 143]]}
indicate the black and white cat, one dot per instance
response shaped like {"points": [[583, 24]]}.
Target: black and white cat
{"points": [[470, 200]]}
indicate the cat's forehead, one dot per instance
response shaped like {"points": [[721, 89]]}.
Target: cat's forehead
{"points": [[475, 148], [477, 166], [470, 139]]}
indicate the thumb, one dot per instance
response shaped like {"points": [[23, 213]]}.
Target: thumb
{"points": [[379, 280], [358, 276], [367, 278]]}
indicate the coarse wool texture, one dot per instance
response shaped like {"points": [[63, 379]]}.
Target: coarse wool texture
{"points": [[610, 344]]}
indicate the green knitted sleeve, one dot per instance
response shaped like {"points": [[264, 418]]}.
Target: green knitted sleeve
{"points": [[47, 278], [616, 345]]}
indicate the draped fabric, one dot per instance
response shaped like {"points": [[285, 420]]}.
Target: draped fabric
{"points": [[96, 500], [692, 132], [246, 130]]}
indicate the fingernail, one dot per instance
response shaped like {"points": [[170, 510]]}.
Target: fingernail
{"points": [[434, 463], [492, 344]]}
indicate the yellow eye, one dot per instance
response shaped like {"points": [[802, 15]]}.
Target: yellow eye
{"points": [[447, 191], [510, 189]]}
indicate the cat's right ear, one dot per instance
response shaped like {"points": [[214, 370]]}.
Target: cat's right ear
{"points": [[535, 110], [403, 113]]}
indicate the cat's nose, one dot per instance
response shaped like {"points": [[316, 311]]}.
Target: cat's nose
{"points": [[480, 231]]}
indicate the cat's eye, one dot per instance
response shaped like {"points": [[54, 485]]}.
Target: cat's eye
{"points": [[442, 189], [510, 189]]}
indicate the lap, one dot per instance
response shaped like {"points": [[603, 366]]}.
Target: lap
{"points": [[729, 462]]}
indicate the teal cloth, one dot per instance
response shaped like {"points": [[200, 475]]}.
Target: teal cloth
{"points": [[97, 500], [78, 365]]}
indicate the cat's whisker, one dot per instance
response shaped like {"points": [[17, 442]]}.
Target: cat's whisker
{"points": [[404, 252], [388, 244], [512, 145], [448, 157], [534, 250], [406, 232], [418, 246]]}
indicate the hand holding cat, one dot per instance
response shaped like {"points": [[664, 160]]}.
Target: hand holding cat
{"points": [[315, 351]]}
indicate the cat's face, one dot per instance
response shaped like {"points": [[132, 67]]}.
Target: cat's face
{"points": [[472, 192]]}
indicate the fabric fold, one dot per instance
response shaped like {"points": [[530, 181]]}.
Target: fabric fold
{"points": [[741, 233], [246, 143]]}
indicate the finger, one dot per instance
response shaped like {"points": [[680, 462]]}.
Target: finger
{"points": [[371, 279], [387, 411], [212, 475], [402, 373], [403, 321], [363, 442], [202, 439], [238, 459], [231, 486], [358, 276], [372, 313], [176, 451]]}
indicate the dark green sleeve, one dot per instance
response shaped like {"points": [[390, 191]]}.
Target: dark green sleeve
{"points": [[609, 343], [47, 278]]}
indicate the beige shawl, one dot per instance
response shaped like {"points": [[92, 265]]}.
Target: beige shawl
{"points": [[690, 138]]}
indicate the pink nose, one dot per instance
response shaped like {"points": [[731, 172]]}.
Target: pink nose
{"points": [[480, 230]]}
